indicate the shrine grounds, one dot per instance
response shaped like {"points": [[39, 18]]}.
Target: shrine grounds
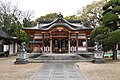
{"points": [[108, 71]]}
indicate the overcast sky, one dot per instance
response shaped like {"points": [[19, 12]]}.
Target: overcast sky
{"points": [[42, 7]]}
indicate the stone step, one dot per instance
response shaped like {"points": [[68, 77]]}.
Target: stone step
{"points": [[75, 57], [58, 58], [53, 54], [39, 61]]}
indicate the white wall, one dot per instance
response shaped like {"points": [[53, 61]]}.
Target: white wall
{"points": [[6, 48], [82, 49], [11, 49]]}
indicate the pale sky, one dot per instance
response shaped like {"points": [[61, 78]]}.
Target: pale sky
{"points": [[42, 7]]}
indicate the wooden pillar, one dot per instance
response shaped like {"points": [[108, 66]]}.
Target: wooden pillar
{"points": [[50, 43], [38, 48], [86, 44], [33, 45], [77, 44], [14, 48], [50, 46], [69, 44], [42, 42]]}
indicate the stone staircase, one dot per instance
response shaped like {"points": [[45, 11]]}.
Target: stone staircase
{"points": [[59, 58]]}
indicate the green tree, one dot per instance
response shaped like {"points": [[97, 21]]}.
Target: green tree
{"points": [[91, 14], [10, 18], [111, 20], [72, 17], [50, 16], [108, 33], [101, 35]]}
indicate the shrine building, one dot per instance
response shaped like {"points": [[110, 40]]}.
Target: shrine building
{"points": [[59, 36]]}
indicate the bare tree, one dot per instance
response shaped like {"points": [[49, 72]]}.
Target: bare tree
{"points": [[28, 14]]}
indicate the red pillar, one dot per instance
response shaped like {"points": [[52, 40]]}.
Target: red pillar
{"points": [[50, 43]]}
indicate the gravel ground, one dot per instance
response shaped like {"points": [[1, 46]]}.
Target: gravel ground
{"points": [[108, 71], [9, 71]]}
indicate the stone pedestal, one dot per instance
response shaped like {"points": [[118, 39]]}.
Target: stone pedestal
{"points": [[98, 57], [20, 61]]}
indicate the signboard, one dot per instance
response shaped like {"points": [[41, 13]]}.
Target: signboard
{"points": [[60, 28]]}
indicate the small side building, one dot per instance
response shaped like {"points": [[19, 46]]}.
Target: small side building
{"points": [[8, 43]]}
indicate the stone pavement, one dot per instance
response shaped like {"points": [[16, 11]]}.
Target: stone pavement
{"points": [[58, 71]]}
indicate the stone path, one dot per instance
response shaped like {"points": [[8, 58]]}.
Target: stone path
{"points": [[58, 71]]}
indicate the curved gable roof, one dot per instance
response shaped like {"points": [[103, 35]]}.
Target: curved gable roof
{"points": [[59, 22], [59, 25]]}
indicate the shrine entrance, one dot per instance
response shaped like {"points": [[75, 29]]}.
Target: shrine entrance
{"points": [[60, 40], [60, 45]]}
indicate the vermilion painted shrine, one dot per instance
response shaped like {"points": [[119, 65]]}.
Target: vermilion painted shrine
{"points": [[59, 36]]}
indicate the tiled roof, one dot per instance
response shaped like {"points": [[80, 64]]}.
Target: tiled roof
{"points": [[5, 35], [7, 38], [60, 21]]}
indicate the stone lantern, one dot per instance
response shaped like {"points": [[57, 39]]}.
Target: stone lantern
{"points": [[21, 59], [98, 54]]}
